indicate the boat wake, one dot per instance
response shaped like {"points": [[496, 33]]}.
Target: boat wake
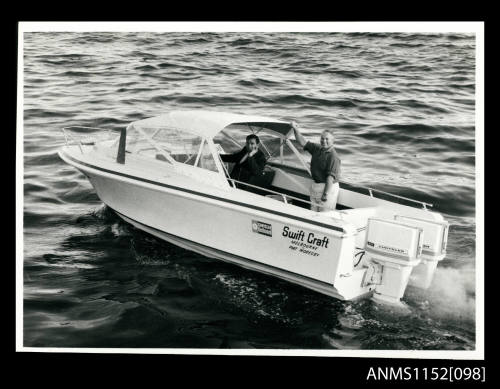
{"points": [[260, 302], [450, 296]]}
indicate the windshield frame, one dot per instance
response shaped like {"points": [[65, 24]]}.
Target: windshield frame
{"points": [[167, 154]]}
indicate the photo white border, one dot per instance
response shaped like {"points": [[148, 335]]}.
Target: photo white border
{"points": [[418, 27]]}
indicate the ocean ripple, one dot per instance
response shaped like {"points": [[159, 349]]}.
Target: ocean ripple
{"points": [[402, 106]]}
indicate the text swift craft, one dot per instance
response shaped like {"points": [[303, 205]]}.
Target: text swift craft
{"points": [[311, 238]]}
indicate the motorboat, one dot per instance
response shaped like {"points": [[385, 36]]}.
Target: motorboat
{"points": [[164, 175]]}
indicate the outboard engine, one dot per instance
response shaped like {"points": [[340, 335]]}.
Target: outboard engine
{"points": [[392, 249], [434, 249]]}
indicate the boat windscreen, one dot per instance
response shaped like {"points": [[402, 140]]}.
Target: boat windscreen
{"points": [[170, 143], [233, 137], [276, 149]]}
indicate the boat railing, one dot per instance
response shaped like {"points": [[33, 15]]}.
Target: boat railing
{"points": [[80, 136], [372, 191], [285, 197]]}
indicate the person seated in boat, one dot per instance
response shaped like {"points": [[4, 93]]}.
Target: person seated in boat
{"points": [[249, 162], [325, 170]]}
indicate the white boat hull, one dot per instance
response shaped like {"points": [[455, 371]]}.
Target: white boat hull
{"points": [[246, 263], [228, 232]]}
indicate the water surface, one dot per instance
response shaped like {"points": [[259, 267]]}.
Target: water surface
{"points": [[402, 106]]}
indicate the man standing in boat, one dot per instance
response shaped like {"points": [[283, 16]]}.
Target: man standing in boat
{"points": [[325, 170], [249, 162]]}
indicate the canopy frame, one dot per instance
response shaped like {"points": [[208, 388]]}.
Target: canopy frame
{"points": [[278, 129]]}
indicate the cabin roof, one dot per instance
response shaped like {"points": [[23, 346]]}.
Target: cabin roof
{"points": [[210, 123]]}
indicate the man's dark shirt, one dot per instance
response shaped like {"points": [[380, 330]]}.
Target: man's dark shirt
{"points": [[250, 169], [324, 163]]}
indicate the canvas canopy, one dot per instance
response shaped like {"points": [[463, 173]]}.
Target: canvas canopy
{"points": [[210, 123]]}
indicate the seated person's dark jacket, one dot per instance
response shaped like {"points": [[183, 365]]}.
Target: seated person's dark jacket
{"points": [[251, 170]]}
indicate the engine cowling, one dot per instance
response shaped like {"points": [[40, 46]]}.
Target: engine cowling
{"points": [[396, 249], [433, 249]]}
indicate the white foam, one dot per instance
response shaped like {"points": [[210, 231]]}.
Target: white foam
{"points": [[451, 294]]}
